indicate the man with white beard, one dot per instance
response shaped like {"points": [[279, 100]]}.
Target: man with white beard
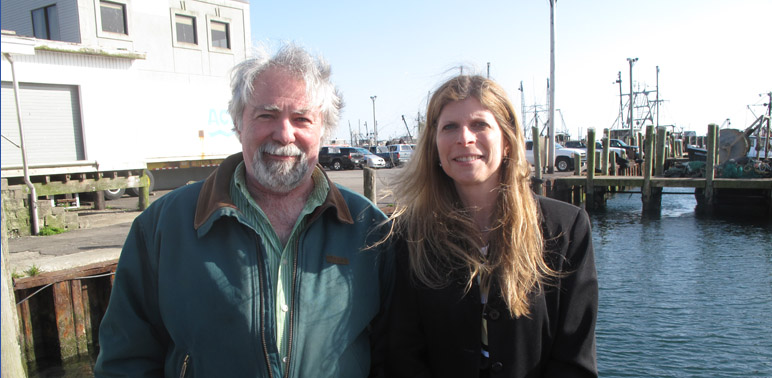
{"points": [[265, 269]]}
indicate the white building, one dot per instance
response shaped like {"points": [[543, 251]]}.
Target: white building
{"points": [[120, 83]]}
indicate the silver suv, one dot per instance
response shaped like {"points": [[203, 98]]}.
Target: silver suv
{"points": [[564, 157], [400, 153]]}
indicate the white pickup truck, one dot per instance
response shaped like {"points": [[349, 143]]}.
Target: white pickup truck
{"points": [[564, 157]]}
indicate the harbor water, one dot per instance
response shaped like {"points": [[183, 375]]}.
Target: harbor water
{"points": [[682, 295]]}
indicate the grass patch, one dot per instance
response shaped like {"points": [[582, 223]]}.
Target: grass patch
{"points": [[49, 230], [33, 271], [16, 275]]}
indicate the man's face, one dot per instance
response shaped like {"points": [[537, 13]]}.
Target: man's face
{"points": [[280, 132]]}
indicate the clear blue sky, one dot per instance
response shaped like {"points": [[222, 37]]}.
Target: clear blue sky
{"points": [[715, 56]]}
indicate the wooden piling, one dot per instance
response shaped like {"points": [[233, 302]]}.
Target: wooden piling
{"points": [[661, 142], [589, 189], [710, 163], [369, 185], [144, 191], [605, 154], [537, 186], [647, 161]]}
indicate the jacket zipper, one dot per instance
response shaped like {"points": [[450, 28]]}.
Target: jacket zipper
{"points": [[292, 305], [262, 306], [184, 366]]}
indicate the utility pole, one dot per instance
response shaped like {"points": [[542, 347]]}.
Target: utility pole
{"points": [[367, 134], [489, 70], [522, 108], [551, 150], [351, 134], [657, 96], [375, 125], [407, 128], [630, 112], [621, 107]]}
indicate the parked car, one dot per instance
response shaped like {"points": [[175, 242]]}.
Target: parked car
{"points": [[400, 153], [564, 157], [333, 157], [383, 153], [632, 151], [619, 153], [370, 159]]}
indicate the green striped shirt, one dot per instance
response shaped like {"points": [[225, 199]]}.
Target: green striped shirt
{"points": [[279, 258]]}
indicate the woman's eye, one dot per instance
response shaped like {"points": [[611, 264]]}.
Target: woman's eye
{"points": [[450, 126]]}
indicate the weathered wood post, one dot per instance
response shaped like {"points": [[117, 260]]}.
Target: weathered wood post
{"points": [[589, 188], [659, 167], [538, 185], [10, 348], [144, 191], [577, 190], [99, 200], [70, 319], [710, 163], [648, 204], [605, 154], [577, 164], [369, 185]]}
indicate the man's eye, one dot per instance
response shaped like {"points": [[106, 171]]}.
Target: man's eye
{"points": [[264, 116], [303, 120]]}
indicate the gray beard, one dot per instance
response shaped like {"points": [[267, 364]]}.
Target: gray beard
{"points": [[280, 177]]}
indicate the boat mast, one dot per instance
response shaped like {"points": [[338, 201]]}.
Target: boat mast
{"points": [[551, 150], [657, 98], [630, 118]]}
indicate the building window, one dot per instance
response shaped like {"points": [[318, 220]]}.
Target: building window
{"points": [[220, 34], [186, 29], [45, 23], [113, 17]]}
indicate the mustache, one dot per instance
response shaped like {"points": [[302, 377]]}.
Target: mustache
{"points": [[279, 150]]}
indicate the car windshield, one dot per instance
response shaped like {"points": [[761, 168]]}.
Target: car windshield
{"points": [[364, 152]]}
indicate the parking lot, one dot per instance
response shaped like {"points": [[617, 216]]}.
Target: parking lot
{"points": [[354, 180]]}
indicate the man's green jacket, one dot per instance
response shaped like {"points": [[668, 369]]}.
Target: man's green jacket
{"points": [[192, 298]]}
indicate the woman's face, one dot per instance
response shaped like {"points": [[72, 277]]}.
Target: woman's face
{"points": [[470, 145]]}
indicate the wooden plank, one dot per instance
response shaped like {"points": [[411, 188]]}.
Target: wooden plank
{"points": [[25, 318], [79, 317], [46, 278], [88, 185], [65, 325]]}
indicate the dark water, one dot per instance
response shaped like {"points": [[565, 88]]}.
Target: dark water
{"points": [[682, 295]]}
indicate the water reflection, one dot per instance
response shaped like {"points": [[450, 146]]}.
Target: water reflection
{"points": [[682, 294]]}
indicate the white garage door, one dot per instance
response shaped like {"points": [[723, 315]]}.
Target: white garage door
{"points": [[52, 125]]}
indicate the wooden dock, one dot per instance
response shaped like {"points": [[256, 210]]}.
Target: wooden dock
{"points": [[591, 190]]}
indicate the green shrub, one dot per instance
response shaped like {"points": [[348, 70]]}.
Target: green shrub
{"points": [[49, 230]]}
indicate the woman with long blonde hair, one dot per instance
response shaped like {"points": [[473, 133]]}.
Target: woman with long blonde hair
{"points": [[491, 279]]}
